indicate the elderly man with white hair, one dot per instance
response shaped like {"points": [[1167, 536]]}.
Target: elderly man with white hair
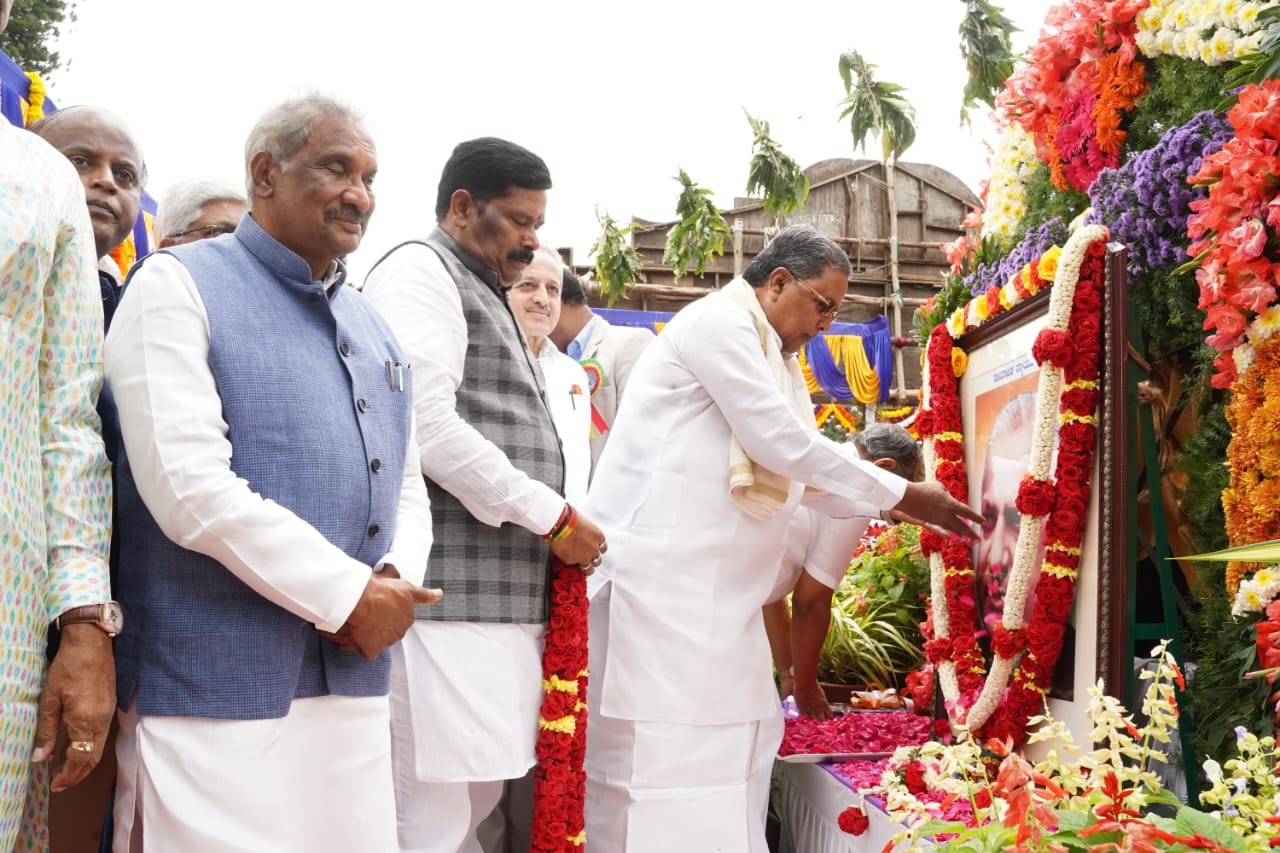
{"points": [[199, 208], [269, 486]]}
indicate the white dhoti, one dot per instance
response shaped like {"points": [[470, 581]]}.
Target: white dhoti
{"points": [[675, 788], [465, 698], [318, 779]]}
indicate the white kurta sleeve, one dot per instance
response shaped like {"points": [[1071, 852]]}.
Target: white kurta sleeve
{"points": [[415, 294], [723, 353], [171, 419]]}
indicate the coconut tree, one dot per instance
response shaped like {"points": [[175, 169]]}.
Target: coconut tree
{"points": [[877, 108], [699, 234], [617, 262], [781, 183]]}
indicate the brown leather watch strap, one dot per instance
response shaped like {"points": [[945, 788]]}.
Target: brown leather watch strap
{"points": [[96, 614]]}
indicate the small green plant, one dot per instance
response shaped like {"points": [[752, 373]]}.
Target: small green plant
{"points": [[986, 43], [781, 183], [617, 262], [700, 233], [874, 638]]}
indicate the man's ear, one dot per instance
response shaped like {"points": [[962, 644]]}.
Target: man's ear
{"points": [[886, 463], [263, 171], [461, 206]]}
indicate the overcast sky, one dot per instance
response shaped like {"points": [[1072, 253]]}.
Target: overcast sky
{"points": [[614, 97]]}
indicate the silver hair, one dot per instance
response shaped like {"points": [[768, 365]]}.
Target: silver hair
{"points": [[183, 202], [889, 441], [802, 250], [284, 129]]}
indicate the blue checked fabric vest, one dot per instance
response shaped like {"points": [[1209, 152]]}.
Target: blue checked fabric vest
{"points": [[492, 574], [303, 380]]}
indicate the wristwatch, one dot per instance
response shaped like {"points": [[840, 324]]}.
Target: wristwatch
{"points": [[107, 616]]}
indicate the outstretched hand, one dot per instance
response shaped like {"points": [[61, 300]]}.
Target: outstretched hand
{"points": [[931, 505]]}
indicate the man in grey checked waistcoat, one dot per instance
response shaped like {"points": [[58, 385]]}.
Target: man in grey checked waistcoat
{"points": [[466, 680], [269, 484]]}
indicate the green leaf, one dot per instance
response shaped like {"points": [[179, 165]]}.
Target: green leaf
{"points": [[617, 262], [1190, 821], [987, 48], [875, 108], [1261, 552], [699, 234], [782, 184]]}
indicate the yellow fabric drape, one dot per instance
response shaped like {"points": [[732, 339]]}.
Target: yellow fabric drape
{"points": [[848, 352]]}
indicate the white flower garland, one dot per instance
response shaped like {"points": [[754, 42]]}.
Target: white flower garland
{"points": [[1018, 588]]}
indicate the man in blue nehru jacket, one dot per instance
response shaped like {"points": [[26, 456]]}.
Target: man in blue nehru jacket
{"points": [[268, 492]]}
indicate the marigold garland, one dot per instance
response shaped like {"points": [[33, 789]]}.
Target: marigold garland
{"points": [[998, 705], [1251, 501], [560, 786]]}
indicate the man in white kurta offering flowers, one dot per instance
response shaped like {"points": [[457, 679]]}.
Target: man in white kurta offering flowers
{"points": [[706, 465]]}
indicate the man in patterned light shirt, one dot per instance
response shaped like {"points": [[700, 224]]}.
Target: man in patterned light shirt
{"points": [[54, 523]]}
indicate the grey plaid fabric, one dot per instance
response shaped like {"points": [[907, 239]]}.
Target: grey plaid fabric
{"points": [[492, 574]]}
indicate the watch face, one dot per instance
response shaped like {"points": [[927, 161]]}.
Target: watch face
{"points": [[113, 617]]}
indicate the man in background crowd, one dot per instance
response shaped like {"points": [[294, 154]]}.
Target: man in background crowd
{"points": [[609, 351], [197, 209], [109, 161], [535, 301], [57, 487], [467, 684], [268, 490]]}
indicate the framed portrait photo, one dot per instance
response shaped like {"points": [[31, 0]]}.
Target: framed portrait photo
{"points": [[1041, 457]]}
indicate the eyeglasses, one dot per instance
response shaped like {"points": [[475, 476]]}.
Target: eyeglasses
{"points": [[826, 308], [217, 229]]}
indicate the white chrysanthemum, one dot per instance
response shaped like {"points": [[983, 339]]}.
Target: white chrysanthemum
{"points": [[1210, 31], [1013, 163], [1243, 357]]}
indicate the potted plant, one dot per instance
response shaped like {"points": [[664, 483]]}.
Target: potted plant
{"points": [[874, 639]]}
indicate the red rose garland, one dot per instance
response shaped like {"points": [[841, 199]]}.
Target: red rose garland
{"points": [[1063, 504], [560, 786]]}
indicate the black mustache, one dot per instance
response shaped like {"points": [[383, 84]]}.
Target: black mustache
{"points": [[525, 256], [348, 212]]}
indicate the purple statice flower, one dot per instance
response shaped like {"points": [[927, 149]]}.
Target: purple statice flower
{"points": [[1035, 243], [1147, 201]]}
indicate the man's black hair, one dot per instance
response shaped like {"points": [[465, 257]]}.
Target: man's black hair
{"points": [[489, 168]]}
